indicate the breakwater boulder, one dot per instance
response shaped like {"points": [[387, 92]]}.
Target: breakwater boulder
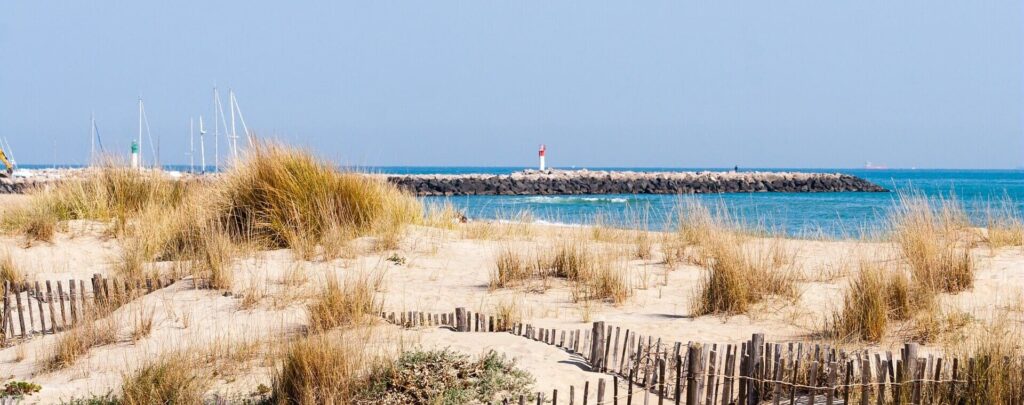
{"points": [[553, 182], [20, 186]]}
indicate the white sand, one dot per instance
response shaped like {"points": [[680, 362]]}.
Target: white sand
{"points": [[442, 271]]}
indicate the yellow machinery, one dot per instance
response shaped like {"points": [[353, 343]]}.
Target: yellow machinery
{"points": [[9, 168]]}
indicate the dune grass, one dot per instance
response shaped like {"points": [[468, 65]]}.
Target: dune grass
{"points": [[865, 311], [282, 196], [1004, 225], [170, 379], [877, 296], [9, 270], [739, 273], [276, 197], [997, 368], [338, 303], [76, 342], [512, 267], [109, 192], [324, 369], [593, 274], [934, 242]]}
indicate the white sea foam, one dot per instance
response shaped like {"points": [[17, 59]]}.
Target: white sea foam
{"points": [[575, 200]]}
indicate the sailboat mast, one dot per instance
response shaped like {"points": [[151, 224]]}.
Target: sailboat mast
{"points": [[191, 146], [216, 132], [202, 145], [234, 135], [140, 133], [92, 139]]}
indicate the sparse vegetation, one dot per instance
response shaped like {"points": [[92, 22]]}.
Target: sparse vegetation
{"points": [[934, 242], [19, 389], [511, 268], [593, 274], [740, 273], [170, 379], [285, 197], [9, 270], [142, 322], [998, 371], [323, 369], [509, 312], [874, 297], [342, 303], [77, 341], [443, 376], [1004, 226], [444, 216]]}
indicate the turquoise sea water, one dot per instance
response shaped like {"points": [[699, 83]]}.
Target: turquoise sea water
{"points": [[796, 214]]}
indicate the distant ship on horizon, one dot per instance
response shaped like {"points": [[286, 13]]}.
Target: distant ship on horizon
{"points": [[872, 166]]}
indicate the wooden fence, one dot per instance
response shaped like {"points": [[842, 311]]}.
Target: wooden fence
{"points": [[648, 369], [46, 307]]}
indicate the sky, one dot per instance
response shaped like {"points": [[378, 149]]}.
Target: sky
{"points": [[815, 84]]}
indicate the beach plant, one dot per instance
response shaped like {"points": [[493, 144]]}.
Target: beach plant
{"points": [[324, 369], [106, 399], [280, 196], [342, 302], [511, 268], [445, 376], [170, 379], [1004, 226], [19, 389], [9, 270], [739, 270], [933, 241], [874, 297], [76, 342]]}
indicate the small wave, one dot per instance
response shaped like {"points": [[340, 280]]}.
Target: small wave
{"points": [[556, 223], [575, 200]]}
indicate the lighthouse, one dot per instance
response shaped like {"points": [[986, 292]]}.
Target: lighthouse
{"points": [[135, 155], [540, 154]]}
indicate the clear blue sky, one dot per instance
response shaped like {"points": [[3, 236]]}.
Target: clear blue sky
{"points": [[603, 83]]}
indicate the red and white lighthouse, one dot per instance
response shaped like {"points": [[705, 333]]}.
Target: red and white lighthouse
{"points": [[540, 154]]}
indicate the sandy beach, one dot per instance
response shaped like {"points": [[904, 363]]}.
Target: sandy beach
{"points": [[436, 269]]}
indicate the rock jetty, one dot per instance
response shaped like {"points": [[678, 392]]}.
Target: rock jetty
{"points": [[553, 182], [21, 186]]}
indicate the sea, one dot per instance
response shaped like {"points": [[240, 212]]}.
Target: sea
{"points": [[980, 192]]}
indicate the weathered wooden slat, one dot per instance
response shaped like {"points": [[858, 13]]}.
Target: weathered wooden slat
{"points": [[49, 302], [63, 313]]}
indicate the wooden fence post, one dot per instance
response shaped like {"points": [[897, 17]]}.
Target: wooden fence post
{"points": [[865, 381], [5, 316], [460, 320], [712, 378], [692, 369], [615, 390], [49, 302], [679, 375], [755, 347], [63, 314], [730, 372], [71, 298], [21, 313], [596, 346], [96, 293], [607, 336], [42, 317]]}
